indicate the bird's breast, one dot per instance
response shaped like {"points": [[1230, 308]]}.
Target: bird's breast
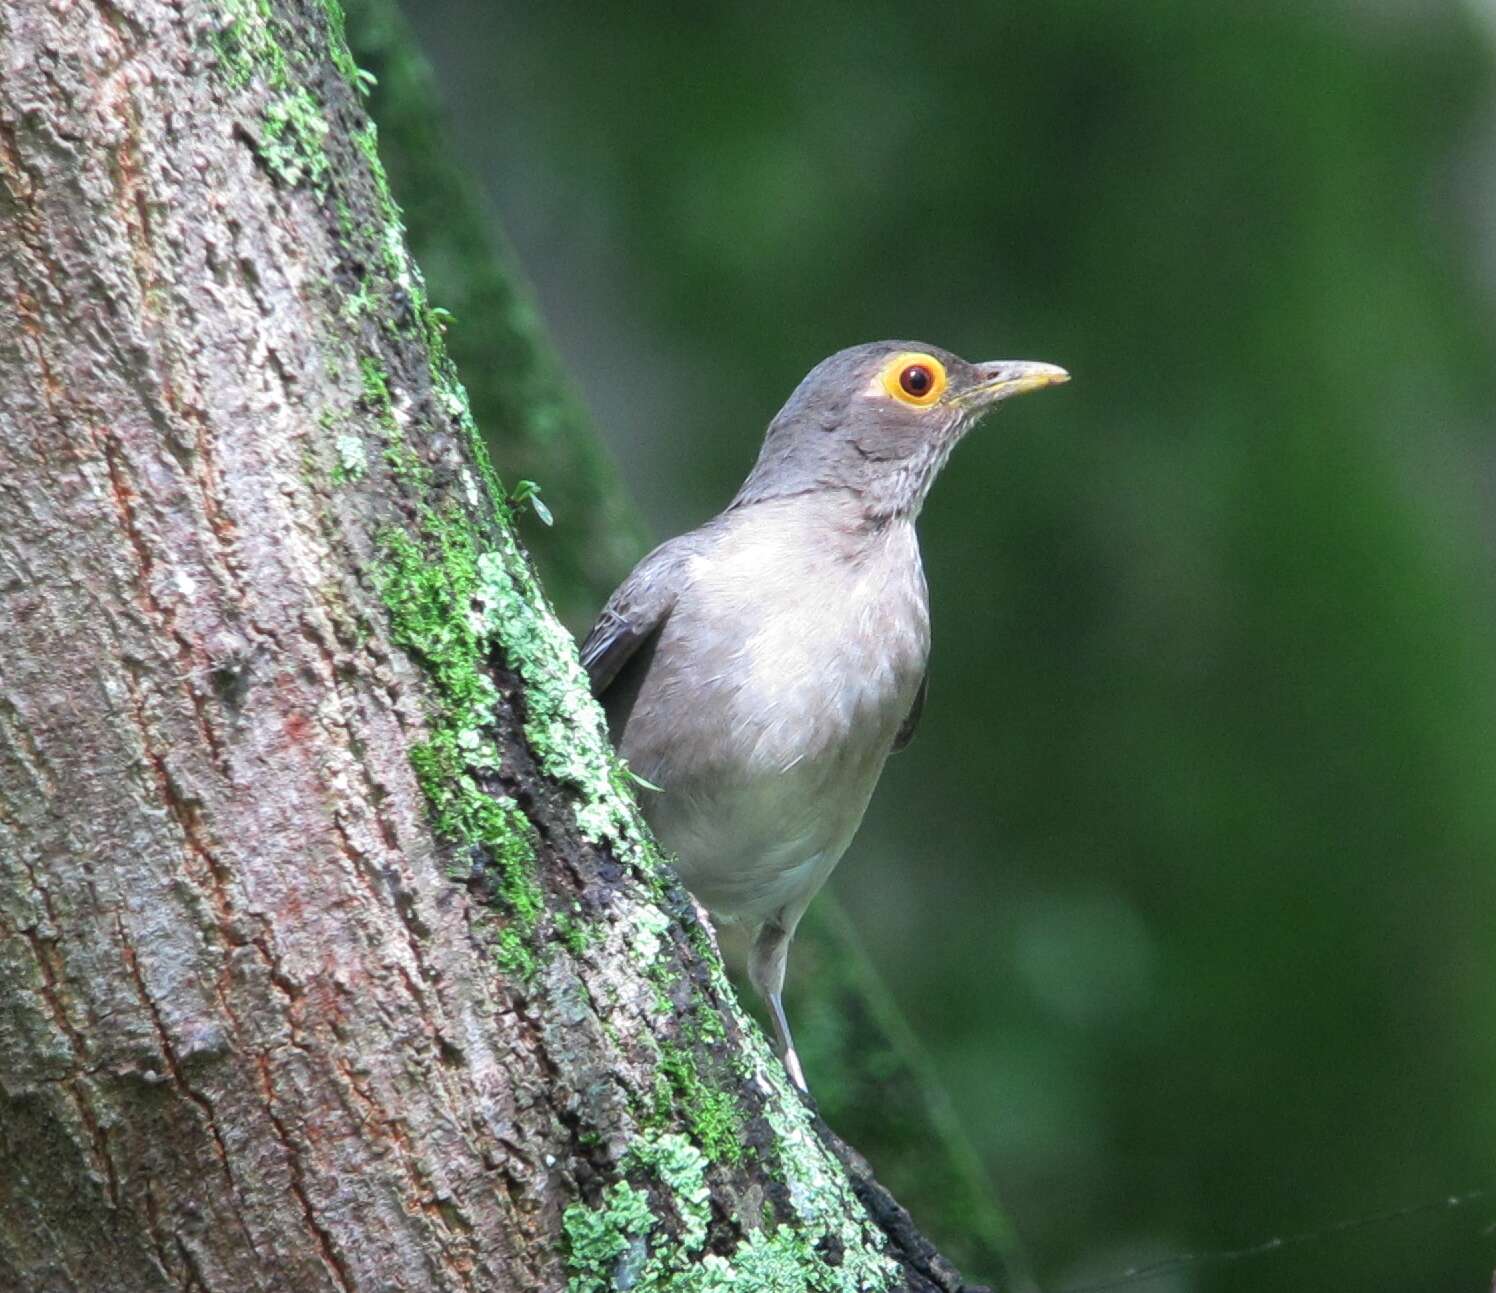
{"points": [[790, 644]]}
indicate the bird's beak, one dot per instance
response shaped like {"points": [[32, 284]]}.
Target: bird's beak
{"points": [[997, 381]]}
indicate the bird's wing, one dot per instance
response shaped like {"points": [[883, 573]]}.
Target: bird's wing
{"points": [[911, 720], [636, 612]]}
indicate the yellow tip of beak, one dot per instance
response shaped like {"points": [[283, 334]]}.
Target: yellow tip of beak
{"points": [[1017, 377]]}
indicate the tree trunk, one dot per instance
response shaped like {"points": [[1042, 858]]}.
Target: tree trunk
{"points": [[332, 952]]}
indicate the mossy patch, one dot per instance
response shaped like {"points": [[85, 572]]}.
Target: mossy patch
{"points": [[711, 1114], [575, 931], [337, 45], [293, 141], [292, 138], [374, 388], [246, 46], [562, 723], [429, 587], [652, 1238]]}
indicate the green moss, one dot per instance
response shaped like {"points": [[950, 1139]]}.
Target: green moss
{"points": [[246, 46], [337, 47], [575, 932], [706, 1020], [820, 1195], [634, 1240], [367, 142], [516, 957], [712, 1115], [293, 142], [390, 241], [389, 238], [562, 725], [293, 128], [453, 605], [399, 455], [772, 1261], [681, 1169], [359, 303], [428, 587], [375, 385]]}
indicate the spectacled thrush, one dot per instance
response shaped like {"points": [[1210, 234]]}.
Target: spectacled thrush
{"points": [[760, 669]]}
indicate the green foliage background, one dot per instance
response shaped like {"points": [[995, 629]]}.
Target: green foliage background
{"points": [[1187, 885]]}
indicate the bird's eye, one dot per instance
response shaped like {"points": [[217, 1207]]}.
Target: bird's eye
{"points": [[916, 379]]}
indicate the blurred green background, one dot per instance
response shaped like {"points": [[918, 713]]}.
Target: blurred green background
{"points": [[1187, 884]]}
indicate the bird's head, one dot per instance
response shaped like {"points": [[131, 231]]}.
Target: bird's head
{"points": [[879, 420]]}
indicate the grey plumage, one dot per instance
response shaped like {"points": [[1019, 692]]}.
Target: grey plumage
{"points": [[760, 669]]}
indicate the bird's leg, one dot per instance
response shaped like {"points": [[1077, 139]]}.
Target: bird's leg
{"points": [[771, 946], [786, 1042]]}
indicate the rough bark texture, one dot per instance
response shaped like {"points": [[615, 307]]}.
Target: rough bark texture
{"points": [[331, 953]]}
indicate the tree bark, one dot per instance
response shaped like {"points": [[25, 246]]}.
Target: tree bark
{"points": [[332, 952]]}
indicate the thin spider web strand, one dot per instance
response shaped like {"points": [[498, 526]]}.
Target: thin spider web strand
{"points": [[1223, 1256]]}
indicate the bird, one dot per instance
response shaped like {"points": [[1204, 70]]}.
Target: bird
{"points": [[757, 671]]}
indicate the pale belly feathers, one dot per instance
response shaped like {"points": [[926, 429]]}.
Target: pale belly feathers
{"points": [[807, 647]]}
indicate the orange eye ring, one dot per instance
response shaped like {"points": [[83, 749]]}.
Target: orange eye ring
{"points": [[915, 379]]}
